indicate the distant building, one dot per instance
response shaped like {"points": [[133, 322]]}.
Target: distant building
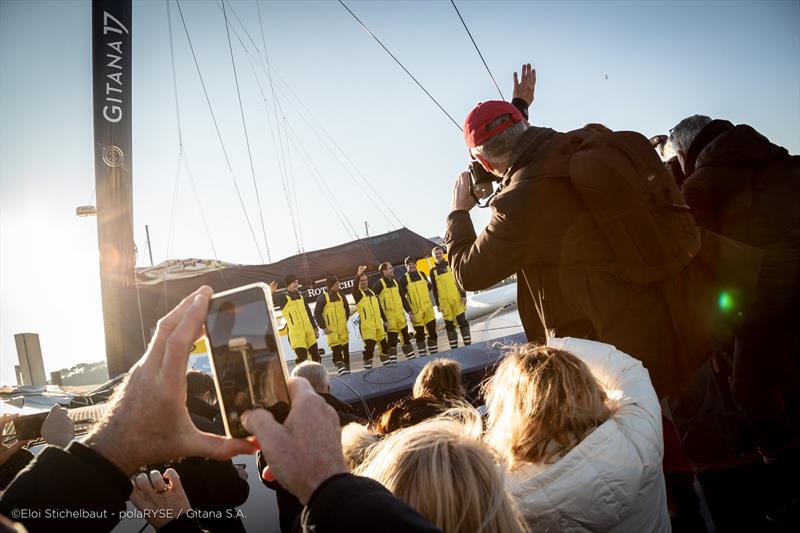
{"points": [[30, 359]]}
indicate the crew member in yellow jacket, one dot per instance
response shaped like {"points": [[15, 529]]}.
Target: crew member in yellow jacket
{"points": [[450, 299], [395, 307], [414, 285], [331, 312], [303, 331], [371, 321]]}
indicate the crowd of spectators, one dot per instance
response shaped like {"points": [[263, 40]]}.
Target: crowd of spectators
{"points": [[578, 431]]}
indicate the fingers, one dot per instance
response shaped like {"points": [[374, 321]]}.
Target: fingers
{"points": [[157, 481], [178, 346], [170, 321], [142, 482], [516, 79], [14, 448]]}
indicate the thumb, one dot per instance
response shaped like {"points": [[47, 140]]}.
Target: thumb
{"points": [[219, 448], [173, 477]]}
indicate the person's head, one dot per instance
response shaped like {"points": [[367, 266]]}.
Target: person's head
{"points": [[315, 373], [442, 469], [357, 442], [408, 412], [440, 378], [387, 269], [411, 264], [362, 282], [200, 385], [491, 130], [683, 135], [541, 402], [292, 283], [438, 253], [332, 283]]}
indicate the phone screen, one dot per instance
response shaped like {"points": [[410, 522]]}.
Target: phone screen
{"points": [[248, 367]]}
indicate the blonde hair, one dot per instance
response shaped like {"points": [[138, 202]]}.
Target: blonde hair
{"points": [[441, 468], [357, 442], [440, 378], [541, 403]]}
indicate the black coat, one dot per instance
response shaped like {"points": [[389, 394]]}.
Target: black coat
{"points": [[78, 478], [213, 486], [741, 185], [542, 230]]}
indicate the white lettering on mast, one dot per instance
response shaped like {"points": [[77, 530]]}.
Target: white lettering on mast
{"points": [[113, 113]]}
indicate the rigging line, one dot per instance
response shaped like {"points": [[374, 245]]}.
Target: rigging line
{"points": [[293, 214], [281, 169], [401, 66], [219, 135], [203, 218], [478, 50], [246, 137], [324, 186], [293, 183], [173, 209], [181, 154], [349, 172], [366, 182], [268, 69], [174, 78]]}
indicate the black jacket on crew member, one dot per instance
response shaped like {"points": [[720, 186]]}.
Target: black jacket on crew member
{"points": [[336, 297], [542, 230], [79, 478]]}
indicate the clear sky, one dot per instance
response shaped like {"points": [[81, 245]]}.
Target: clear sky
{"points": [[664, 61]]}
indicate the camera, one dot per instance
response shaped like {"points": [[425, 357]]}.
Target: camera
{"points": [[481, 185]]}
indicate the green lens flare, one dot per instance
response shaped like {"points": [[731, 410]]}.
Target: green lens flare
{"points": [[726, 301]]}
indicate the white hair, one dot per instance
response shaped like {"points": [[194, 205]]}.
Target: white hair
{"points": [[499, 147], [685, 132], [315, 373]]}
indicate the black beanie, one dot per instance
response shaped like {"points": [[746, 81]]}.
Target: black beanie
{"points": [[331, 281], [408, 260], [289, 278]]}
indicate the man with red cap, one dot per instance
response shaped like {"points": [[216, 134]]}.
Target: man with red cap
{"points": [[571, 282]]}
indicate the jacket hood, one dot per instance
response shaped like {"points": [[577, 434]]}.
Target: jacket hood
{"points": [[720, 143], [528, 147]]}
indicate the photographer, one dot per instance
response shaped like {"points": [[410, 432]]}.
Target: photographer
{"points": [[543, 230]]}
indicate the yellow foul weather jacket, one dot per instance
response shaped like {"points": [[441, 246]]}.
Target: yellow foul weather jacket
{"points": [[419, 299]]}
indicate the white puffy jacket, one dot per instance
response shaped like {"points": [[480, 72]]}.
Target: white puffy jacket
{"points": [[613, 479]]}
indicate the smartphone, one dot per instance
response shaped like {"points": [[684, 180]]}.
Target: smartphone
{"points": [[249, 368], [29, 427]]}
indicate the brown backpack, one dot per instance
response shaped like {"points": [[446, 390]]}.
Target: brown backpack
{"points": [[637, 205]]}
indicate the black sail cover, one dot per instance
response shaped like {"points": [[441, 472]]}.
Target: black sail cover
{"points": [[311, 268]]}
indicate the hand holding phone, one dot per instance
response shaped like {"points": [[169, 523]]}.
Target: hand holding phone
{"points": [[249, 369]]}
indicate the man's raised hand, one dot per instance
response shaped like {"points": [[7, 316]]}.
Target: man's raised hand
{"points": [[524, 88]]}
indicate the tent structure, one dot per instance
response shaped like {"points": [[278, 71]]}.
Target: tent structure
{"points": [[160, 288]]}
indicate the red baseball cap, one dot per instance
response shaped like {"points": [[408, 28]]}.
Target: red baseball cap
{"points": [[476, 125]]}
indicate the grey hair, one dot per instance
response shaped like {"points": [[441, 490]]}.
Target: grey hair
{"points": [[685, 131], [315, 373], [501, 144]]}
